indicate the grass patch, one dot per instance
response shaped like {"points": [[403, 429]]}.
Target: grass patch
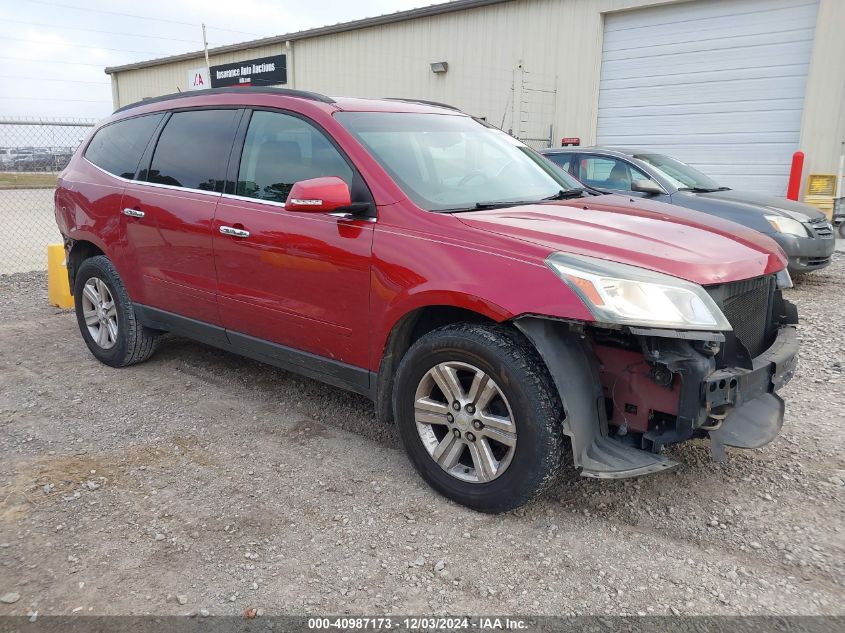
{"points": [[24, 180]]}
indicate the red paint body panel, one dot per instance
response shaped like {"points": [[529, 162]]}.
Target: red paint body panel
{"points": [[318, 195], [300, 279], [624, 379], [652, 235], [422, 259], [336, 287], [169, 249]]}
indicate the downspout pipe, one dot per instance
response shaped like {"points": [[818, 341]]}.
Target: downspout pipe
{"points": [[289, 62]]}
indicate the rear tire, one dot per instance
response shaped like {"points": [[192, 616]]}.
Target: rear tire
{"points": [[106, 316], [492, 458]]}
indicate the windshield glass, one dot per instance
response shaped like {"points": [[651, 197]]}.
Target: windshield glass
{"points": [[679, 174], [450, 163]]}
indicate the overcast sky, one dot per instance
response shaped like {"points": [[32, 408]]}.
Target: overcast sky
{"points": [[53, 52]]}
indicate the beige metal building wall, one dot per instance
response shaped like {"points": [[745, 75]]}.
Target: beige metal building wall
{"points": [[134, 85], [823, 122], [505, 59], [493, 52]]}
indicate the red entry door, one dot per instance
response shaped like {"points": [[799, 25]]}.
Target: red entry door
{"points": [[297, 279], [172, 247], [169, 215], [301, 280]]}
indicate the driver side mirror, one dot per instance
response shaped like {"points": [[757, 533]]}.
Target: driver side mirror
{"points": [[647, 186], [319, 195]]}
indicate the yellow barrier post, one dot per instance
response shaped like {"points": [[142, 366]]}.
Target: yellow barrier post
{"points": [[58, 286]]}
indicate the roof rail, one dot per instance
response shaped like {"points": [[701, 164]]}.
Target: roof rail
{"points": [[425, 102], [282, 92]]}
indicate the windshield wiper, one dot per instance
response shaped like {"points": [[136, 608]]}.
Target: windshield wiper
{"points": [[501, 205], [563, 194], [566, 194], [702, 189]]}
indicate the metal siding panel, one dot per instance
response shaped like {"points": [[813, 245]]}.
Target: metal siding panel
{"points": [[721, 96], [558, 41], [563, 39], [143, 83], [823, 123], [719, 85]]}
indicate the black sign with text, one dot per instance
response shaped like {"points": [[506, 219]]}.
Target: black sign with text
{"points": [[264, 71]]}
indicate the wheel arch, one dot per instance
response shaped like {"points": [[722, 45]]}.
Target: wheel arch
{"points": [[409, 328], [77, 251]]}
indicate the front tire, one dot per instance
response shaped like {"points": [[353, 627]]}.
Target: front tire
{"points": [[106, 316], [479, 416]]}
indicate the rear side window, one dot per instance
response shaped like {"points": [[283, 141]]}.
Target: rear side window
{"points": [[564, 161], [193, 149], [118, 147], [280, 150]]}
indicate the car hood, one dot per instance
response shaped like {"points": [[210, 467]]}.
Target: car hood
{"points": [[771, 205], [661, 237]]}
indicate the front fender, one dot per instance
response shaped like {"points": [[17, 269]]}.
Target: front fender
{"points": [[411, 271], [418, 298]]}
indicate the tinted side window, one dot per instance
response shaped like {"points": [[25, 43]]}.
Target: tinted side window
{"points": [[118, 147], [193, 149], [280, 150], [561, 160], [609, 173]]}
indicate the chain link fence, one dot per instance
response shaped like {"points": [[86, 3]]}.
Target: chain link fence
{"points": [[32, 153], [537, 143]]}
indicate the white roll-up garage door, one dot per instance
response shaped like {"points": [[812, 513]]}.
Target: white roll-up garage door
{"points": [[718, 84]]}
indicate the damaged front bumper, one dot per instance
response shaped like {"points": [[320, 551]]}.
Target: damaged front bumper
{"points": [[757, 411], [630, 392]]}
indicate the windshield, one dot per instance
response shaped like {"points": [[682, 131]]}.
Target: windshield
{"points": [[452, 163], [679, 174]]}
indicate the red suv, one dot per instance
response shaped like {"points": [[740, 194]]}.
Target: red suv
{"points": [[479, 295]]}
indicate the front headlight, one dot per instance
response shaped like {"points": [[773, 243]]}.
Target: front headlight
{"points": [[628, 295], [789, 226]]}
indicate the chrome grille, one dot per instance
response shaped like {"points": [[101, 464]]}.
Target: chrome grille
{"points": [[817, 261], [747, 305], [821, 228]]}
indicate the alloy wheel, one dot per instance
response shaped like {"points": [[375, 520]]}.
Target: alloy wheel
{"points": [[465, 422], [100, 312]]}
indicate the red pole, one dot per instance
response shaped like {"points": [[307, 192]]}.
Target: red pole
{"points": [[795, 175]]}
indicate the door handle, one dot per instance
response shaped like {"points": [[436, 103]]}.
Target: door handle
{"points": [[231, 230], [133, 213]]}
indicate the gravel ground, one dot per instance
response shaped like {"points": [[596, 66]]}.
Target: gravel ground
{"points": [[203, 482]]}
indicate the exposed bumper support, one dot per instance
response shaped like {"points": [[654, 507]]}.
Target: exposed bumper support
{"points": [[568, 356], [770, 371], [758, 414], [752, 425], [736, 406]]}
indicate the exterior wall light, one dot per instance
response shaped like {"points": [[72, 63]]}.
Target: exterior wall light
{"points": [[439, 67]]}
